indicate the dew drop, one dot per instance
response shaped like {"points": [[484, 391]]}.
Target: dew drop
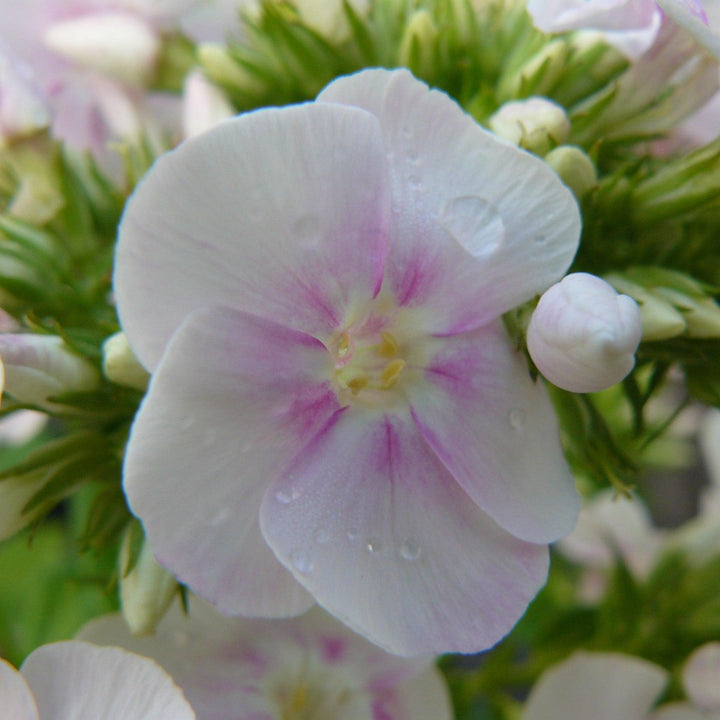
{"points": [[475, 223], [407, 131], [413, 156], [187, 422], [540, 239], [301, 561], [209, 437], [410, 550], [220, 517], [321, 536], [284, 497], [352, 534], [307, 231], [517, 418], [414, 181], [374, 546]]}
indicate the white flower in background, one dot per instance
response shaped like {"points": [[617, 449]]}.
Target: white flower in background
{"points": [[23, 110], [204, 104], [630, 25], [700, 678], [308, 667], [38, 367], [78, 681], [583, 335], [611, 528], [336, 411], [603, 686]]}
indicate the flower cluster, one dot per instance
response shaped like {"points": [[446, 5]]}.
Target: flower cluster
{"points": [[321, 322]]}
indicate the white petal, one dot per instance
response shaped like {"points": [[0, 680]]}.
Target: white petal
{"points": [[279, 212], [615, 686], [383, 537], [496, 432], [75, 680], [233, 400], [17, 700], [479, 226], [700, 676]]}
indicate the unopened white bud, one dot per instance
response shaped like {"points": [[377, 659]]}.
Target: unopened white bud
{"points": [[574, 167], [204, 104], [583, 335], [120, 364], [23, 110], [146, 591], [536, 124], [38, 367], [118, 44]]}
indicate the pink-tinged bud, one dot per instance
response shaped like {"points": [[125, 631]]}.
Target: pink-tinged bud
{"points": [[120, 45], [583, 335], [23, 110], [38, 367], [204, 104]]}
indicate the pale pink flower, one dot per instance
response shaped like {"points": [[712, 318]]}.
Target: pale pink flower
{"points": [[306, 667], [336, 410], [91, 60], [77, 681], [630, 25], [23, 110]]}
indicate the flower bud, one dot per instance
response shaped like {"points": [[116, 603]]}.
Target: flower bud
{"points": [[220, 67], [38, 367], [536, 124], [583, 335], [574, 167], [540, 73], [146, 591], [204, 104], [23, 110], [120, 364], [118, 44], [418, 42]]}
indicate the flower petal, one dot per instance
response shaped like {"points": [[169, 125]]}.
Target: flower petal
{"points": [[233, 400], [280, 212], [17, 700], [478, 226], [495, 431], [613, 685], [77, 680], [384, 538]]}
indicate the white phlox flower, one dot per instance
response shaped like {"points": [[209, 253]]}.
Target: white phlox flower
{"points": [[305, 668], [74, 680], [336, 411]]}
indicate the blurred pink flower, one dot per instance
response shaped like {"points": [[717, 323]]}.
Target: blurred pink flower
{"points": [[306, 667], [318, 291]]}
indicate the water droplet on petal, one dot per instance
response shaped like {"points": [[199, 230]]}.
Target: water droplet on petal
{"points": [[539, 239], [284, 497], [414, 181], [412, 155], [352, 534], [475, 224], [307, 231], [209, 437], [220, 517], [187, 422], [407, 131], [374, 546], [301, 561], [321, 536], [517, 418], [410, 550]]}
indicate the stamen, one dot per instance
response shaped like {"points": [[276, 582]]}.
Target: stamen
{"points": [[343, 345], [389, 346], [391, 372], [358, 383]]}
